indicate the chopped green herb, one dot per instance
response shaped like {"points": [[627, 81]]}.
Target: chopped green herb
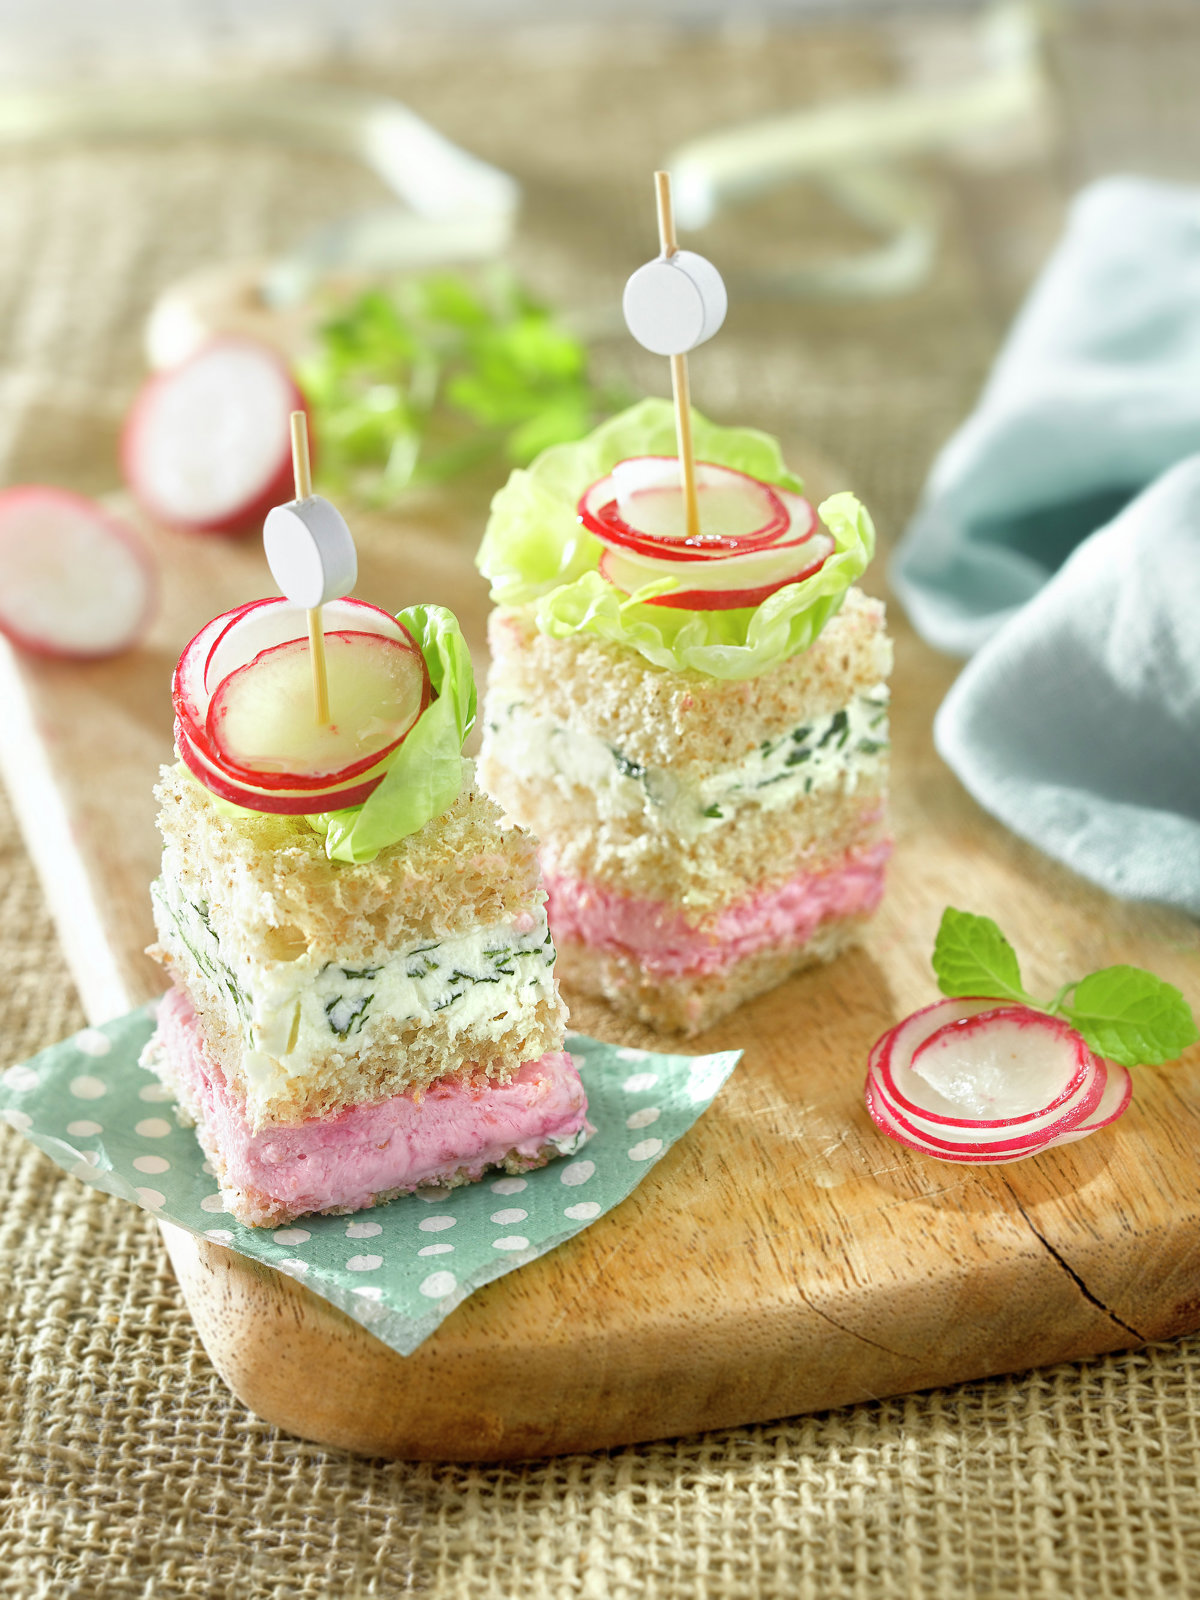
{"points": [[434, 376], [347, 1016]]}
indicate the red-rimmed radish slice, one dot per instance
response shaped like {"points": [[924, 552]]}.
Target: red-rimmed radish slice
{"points": [[969, 1138], [726, 585], [260, 726], [288, 802], [640, 506], [1114, 1103], [1003, 1065], [974, 1079], [884, 1119], [257, 627], [188, 693], [206, 446], [74, 581]]}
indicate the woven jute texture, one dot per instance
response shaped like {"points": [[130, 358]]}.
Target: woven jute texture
{"points": [[126, 1468]]}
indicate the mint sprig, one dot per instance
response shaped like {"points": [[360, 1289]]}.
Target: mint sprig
{"points": [[1124, 1013], [972, 958]]}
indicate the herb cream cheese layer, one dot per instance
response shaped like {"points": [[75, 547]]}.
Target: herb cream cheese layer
{"points": [[844, 748], [294, 1014]]}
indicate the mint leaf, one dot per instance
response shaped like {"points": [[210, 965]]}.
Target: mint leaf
{"points": [[972, 957], [1132, 1017]]}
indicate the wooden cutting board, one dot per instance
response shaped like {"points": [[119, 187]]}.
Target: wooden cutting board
{"points": [[783, 1257]]}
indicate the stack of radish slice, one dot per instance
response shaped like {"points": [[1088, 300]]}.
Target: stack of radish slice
{"points": [[754, 539], [982, 1081], [244, 718]]}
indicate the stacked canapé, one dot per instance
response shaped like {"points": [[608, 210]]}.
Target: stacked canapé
{"points": [[694, 728], [364, 997]]}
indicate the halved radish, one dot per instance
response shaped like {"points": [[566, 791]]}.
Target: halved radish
{"points": [[206, 446], [261, 727], [754, 538], [980, 1080], [74, 581]]}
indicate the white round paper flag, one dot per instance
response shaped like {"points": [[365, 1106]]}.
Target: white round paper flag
{"points": [[674, 303], [310, 551]]}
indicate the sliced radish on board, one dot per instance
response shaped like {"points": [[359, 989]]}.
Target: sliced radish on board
{"points": [[979, 1080], [260, 721], [74, 581], [753, 538], [207, 446], [243, 704]]}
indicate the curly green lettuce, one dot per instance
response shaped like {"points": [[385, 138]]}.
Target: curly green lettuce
{"points": [[426, 773], [537, 553]]}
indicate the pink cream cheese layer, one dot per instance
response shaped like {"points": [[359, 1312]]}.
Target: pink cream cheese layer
{"points": [[343, 1162], [661, 939]]}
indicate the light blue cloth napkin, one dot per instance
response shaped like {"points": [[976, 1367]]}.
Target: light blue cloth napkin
{"points": [[1096, 392], [1077, 722]]}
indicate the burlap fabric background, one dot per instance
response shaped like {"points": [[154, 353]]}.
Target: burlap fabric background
{"points": [[126, 1468]]}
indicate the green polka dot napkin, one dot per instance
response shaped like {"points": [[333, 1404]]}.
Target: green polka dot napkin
{"points": [[398, 1269]]}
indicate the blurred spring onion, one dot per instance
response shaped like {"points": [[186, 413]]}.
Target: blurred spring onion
{"points": [[437, 376]]}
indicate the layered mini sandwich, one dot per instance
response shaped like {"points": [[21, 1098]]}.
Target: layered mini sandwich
{"points": [[363, 991], [695, 729]]}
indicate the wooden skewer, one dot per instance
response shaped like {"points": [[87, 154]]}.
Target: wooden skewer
{"points": [[302, 472], [680, 387]]}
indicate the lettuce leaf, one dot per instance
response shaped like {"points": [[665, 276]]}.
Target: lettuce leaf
{"points": [[426, 773], [536, 552]]}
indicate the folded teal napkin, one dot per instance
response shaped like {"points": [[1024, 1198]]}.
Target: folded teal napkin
{"points": [[398, 1269], [1059, 539], [1078, 724], [1096, 392]]}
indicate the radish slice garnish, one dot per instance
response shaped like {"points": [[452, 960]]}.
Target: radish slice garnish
{"points": [[721, 585], [254, 628], [260, 723], [74, 581], [640, 505], [979, 1080], [1005, 1065], [1114, 1102], [754, 538], [206, 446], [273, 756], [289, 802]]}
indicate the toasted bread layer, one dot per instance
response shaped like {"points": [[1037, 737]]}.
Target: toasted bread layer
{"points": [[296, 965], [272, 890], [689, 1005], [703, 874], [685, 721]]}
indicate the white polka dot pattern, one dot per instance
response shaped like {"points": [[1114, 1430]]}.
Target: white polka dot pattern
{"points": [[103, 1118]]}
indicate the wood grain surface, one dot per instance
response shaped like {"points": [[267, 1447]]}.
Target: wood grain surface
{"points": [[782, 1257]]}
